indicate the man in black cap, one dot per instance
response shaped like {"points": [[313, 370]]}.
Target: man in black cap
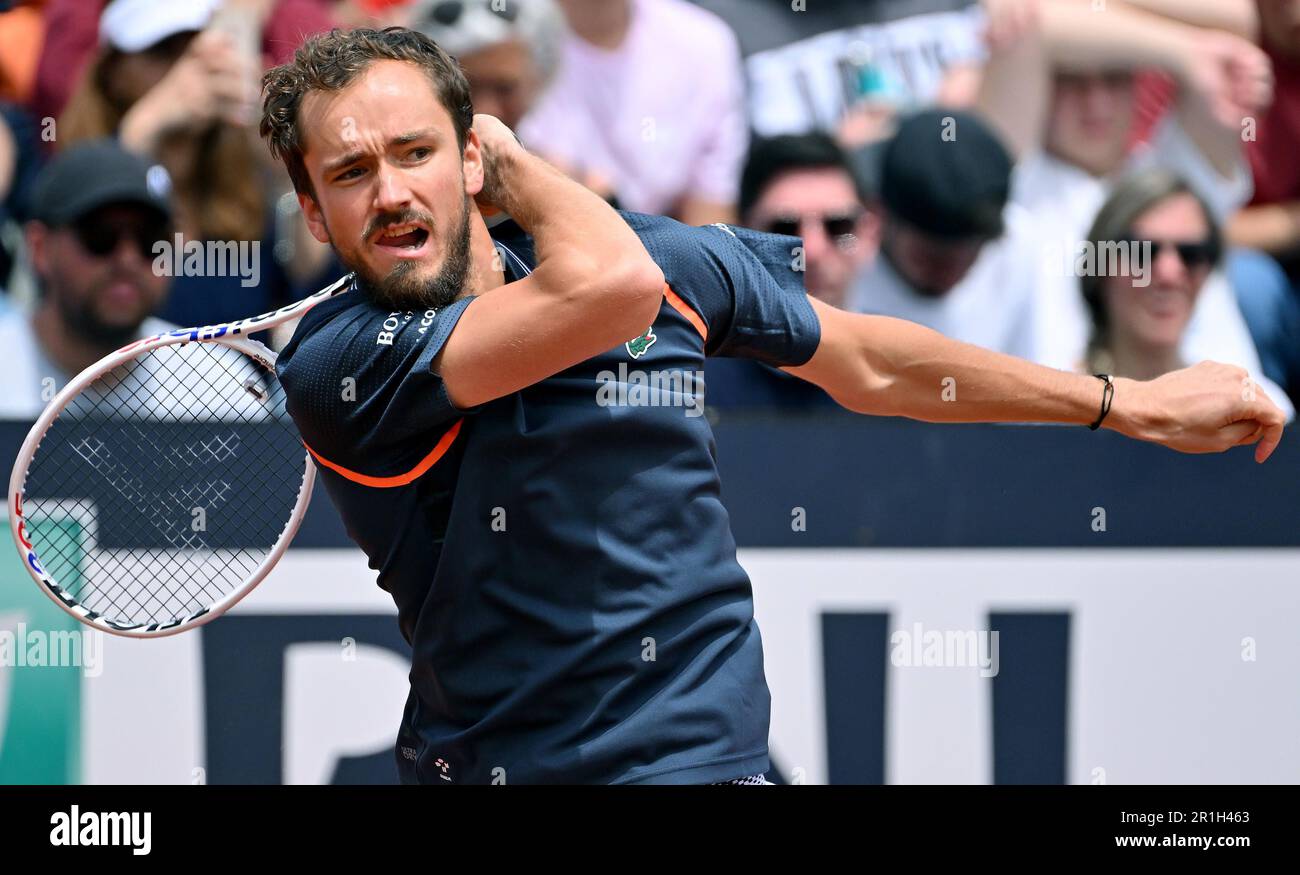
{"points": [[953, 255], [96, 218]]}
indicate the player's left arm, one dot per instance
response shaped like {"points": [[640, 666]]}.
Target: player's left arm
{"points": [[892, 367]]}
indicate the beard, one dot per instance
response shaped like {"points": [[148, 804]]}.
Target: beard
{"points": [[402, 288], [81, 318]]}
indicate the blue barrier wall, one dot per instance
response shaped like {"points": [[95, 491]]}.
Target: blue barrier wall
{"points": [[853, 482], [869, 482]]}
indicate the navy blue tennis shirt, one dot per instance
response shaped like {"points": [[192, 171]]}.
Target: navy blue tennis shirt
{"points": [[561, 560]]}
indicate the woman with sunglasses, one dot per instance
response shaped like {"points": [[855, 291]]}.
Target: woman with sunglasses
{"points": [[1165, 244]]}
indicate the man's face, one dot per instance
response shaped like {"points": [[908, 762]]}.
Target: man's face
{"points": [[931, 265], [820, 205], [1090, 119], [98, 271], [1155, 315], [392, 188], [503, 81]]}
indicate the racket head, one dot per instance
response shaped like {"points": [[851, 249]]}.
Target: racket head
{"points": [[116, 456]]}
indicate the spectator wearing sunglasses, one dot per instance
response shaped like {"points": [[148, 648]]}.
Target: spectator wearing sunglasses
{"points": [[1141, 312], [176, 81], [1061, 87], [95, 220], [801, 186], [953, 255]]}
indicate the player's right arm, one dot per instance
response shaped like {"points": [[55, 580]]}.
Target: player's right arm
{"points": [[594, 285]]}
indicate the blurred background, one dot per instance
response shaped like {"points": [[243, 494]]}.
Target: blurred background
{"points": [[1095, 185]]}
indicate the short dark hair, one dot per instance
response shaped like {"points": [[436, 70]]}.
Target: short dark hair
{"points": [[770, 157], [332, 61]]}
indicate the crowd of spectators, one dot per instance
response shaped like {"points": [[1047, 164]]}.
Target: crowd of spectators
{"points": [[977, 166]]}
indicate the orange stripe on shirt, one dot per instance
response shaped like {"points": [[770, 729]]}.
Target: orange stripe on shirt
{"points": [[675, 301], [400, 479]]}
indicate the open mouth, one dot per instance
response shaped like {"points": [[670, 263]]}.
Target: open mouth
{"points": [[405, 239]]}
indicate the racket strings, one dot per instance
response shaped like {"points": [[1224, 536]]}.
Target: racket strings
{"points": [[134, 490], [165, 483]]}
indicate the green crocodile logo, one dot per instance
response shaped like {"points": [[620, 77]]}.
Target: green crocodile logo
{"points": [[637, 346]]}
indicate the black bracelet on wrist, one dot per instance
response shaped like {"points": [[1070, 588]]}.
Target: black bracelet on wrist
{"points": [[1106, 395]]}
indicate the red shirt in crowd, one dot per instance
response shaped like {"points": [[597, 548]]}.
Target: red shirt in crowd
{"points": [[1272, 152]]}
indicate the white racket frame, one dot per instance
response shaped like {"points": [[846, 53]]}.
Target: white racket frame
{"points": [[230, 334]]}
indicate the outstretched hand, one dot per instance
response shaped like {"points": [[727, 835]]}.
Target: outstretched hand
{"points": [[1207, 408]]}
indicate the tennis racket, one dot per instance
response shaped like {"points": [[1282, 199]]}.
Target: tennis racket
{"points": [[164, 482]]}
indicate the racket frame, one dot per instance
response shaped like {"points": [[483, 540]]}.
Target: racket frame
{"points": [[229, 334]]}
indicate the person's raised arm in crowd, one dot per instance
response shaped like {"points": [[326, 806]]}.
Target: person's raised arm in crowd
{"points": [[1062, 88], [1223, 78], [1235, 16]]}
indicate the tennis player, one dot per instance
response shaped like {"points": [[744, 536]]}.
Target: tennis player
{"points": [[508, 423]]}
